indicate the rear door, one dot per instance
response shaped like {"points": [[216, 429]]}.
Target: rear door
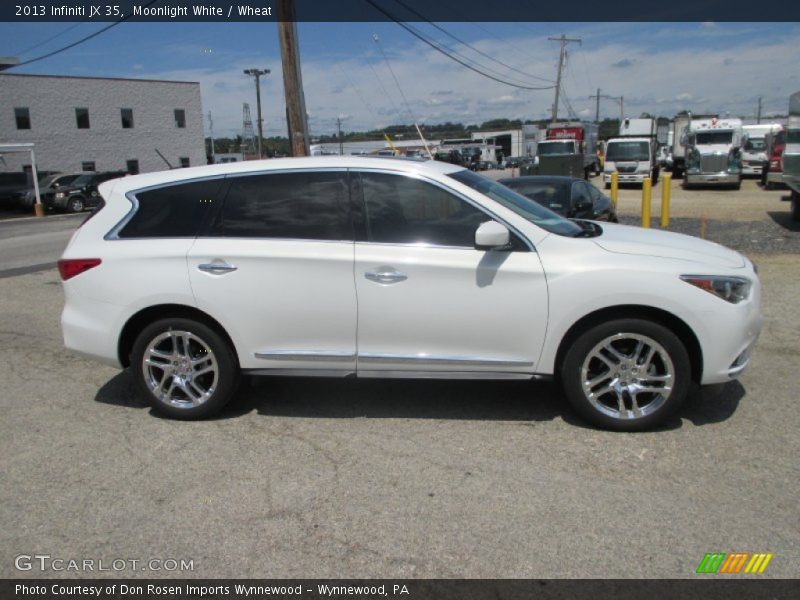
{"points": [[276, 269]]}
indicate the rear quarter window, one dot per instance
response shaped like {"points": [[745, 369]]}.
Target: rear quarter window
{"points": [[172, 211]]}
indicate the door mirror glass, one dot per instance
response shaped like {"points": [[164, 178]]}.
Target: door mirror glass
{"points": [[492, 236]]}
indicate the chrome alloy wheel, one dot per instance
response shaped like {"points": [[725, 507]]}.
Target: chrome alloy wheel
{"points": [[627, 376], [180, 369]]}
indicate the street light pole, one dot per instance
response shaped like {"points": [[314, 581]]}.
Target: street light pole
{"points": [[257, 73]]}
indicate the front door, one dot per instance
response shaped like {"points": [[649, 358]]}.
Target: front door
{"points": [[429, 303]]}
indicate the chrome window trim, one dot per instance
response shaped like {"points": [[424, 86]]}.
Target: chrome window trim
{"points": [[423, 358], [305, 355], [414, 175]]}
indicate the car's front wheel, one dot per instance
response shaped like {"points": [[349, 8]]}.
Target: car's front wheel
{"points": [[75, 204], [626, 375], [184, 368]]}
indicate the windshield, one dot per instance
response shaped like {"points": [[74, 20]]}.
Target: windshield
{"points": [[755, 145], [617, 151], [714, 137], [550, 148], [793, 136], [82, 180], [552, 195], [524, 207]]}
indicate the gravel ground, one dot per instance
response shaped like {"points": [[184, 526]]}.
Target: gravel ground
{"points": [[781, 236]]}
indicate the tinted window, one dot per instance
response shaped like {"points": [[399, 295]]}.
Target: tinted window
{"points": [[87, 165], [310, 205], [580, 193], [132, 166], [403, 210], [172, 211], [552, 194], [180, 118], [524, 207]]}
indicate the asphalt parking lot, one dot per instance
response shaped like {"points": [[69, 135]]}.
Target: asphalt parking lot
{"points": [[348, 478]]}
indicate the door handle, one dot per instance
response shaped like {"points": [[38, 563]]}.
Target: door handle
{"points": [[217, 268], [385, 276]]}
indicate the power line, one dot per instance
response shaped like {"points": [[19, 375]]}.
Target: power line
{"points": [[459, 40], [50, 39], [437, 47], [396, 82], [82, 40]]}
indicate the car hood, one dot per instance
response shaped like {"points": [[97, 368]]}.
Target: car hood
{"points": [[624, 239]]}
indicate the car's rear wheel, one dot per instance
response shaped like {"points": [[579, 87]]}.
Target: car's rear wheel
{"points": [[795, 205], [184, 368], [75, 204], [626, 375]]}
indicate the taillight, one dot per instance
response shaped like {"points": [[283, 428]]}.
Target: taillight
{"points": [[775, 165], [70, 267]]}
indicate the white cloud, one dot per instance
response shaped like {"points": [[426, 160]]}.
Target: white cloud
{"points": [[660, 81]]}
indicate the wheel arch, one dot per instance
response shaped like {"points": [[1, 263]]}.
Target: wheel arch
{"points": [[148, 315], [634, 311]]}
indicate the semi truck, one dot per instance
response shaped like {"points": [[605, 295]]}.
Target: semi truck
{"points": [[791, 154], [754, 151], [569, 139], [713, 152], [633, 153], [676, 158]]}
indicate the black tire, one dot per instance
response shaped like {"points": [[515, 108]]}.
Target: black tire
{"points": [[655, 175], [75, 204], [608, 186], [220, 385], [655, 407], [738, 184], [795, 206]]}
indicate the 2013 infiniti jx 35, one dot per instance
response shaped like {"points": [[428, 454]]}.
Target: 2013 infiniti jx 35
{"points": [[341, 266]]}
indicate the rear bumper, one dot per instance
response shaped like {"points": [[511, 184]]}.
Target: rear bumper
{"points": [[91, 328]]}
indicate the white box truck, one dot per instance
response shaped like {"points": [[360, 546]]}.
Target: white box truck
{"points": [[754, 150], [713, 152], [633, 153]]}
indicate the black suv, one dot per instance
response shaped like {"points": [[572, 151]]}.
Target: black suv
{"points": [[80, 194]]}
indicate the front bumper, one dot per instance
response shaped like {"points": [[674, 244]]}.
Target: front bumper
{"points": [[752, 169], [723, 178], [626, 177]]}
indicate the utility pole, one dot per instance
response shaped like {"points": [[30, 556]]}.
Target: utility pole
{"points": [[297, 120], [597, 97], [620, 99], [561, 58], [257, 73], [758, 114], [211, 135], [339, 135]]}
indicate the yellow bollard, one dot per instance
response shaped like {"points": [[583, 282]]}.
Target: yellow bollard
{"points": [[614, 188], [38, 210], [666, 180], [647, 194]]}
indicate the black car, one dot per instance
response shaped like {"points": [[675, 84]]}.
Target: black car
{"points": [[568, 196], [80, 194], [15, 186]]}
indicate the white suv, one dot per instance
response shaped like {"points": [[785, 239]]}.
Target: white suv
{"points": [[341, 266]]}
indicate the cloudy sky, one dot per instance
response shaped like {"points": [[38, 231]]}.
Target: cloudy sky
{"points": [[659, 68]]}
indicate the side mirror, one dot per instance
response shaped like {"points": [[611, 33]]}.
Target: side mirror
{"points": [[492, 236], [583, 206]]}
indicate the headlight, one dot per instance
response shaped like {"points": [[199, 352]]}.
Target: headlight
{"points": [[730, 289], [60, 194]]}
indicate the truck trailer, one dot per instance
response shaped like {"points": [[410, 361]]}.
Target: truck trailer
{"points": [[791, 154]]}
